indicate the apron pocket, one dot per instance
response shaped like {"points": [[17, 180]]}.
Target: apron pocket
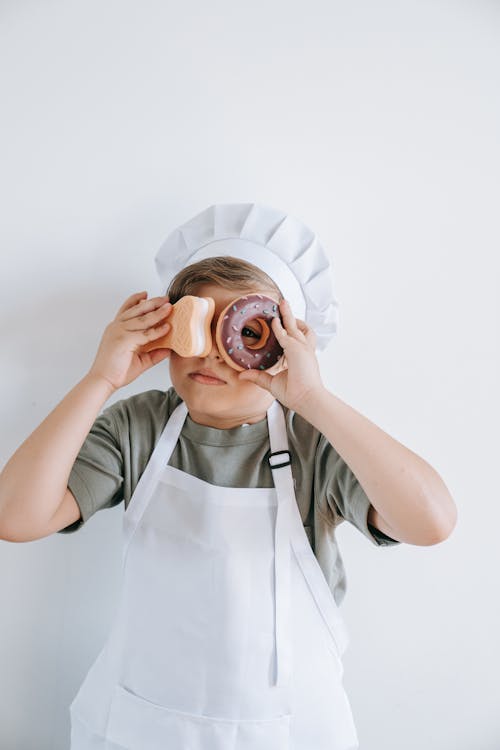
{"points": [[137, 724]]}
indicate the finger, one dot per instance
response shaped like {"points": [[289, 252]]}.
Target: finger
{"points": [[156, 355], [311, 338], [148, 336], [307, 331], [153, 321], [131, 301], [281, 333], [289, 318], [145, 306], [259, 377]]}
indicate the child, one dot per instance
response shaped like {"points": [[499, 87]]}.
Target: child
{"points": [[227, 635]]}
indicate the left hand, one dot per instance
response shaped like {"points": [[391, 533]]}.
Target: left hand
{"points": [[301, 377]]}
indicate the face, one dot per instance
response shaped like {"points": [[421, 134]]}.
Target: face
{"points": [[226, 402]]}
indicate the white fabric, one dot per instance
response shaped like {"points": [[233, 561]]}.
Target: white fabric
{"points": [[226, 636], [279, 244], [261, 257]]}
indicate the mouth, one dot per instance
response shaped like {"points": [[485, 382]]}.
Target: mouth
{"points": [[207, 377]]}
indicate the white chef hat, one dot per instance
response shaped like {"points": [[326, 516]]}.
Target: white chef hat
{"points": [[279, 244]]}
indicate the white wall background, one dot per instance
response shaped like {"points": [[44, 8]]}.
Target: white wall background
{"points": [[375, 123]]}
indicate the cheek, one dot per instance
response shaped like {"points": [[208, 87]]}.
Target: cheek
{"points": [[178, 365], [181, 363], [173, 360]]}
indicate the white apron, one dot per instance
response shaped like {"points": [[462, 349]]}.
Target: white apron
{"points": [[226, 635]]}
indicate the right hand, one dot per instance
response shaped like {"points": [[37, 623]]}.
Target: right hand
{"points": [[138, 321]]}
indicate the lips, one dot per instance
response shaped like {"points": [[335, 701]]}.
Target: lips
{"points": [[209, 375]]}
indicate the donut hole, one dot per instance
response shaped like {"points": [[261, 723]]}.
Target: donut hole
{"points": [[263, 332]]}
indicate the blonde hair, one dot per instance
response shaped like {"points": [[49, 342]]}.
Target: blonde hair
{"points": [[223, 270]]}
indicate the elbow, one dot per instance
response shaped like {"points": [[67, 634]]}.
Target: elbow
{"points": [[442, 526]]}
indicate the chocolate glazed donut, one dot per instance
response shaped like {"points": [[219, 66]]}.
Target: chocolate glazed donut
{"points": [[243, 356]]}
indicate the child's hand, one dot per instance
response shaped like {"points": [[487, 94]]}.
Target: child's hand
{"points": [[302, 377], [137, 322]]}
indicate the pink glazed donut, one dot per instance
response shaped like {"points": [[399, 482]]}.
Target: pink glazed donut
{"points": [[234, 318]]}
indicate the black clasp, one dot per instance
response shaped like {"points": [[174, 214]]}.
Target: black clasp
{"points": [[285, 463]]}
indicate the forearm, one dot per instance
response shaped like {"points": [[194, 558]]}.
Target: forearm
{"points": [[34, 480], [407, 492]]}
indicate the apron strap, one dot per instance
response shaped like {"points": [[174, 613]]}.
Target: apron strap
{"points": [[158, 459], [279, 461], [290, 536]]}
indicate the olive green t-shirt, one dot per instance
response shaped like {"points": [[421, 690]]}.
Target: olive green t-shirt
{"points": [[122, 438]]}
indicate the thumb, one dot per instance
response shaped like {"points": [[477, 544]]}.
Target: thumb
{"points": [[262, 379], [158, 355]]}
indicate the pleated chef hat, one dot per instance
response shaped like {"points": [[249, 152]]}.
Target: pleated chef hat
{"points": [[279, 244]]}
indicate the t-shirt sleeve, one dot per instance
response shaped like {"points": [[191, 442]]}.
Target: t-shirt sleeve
{"points": [[96, 477], [344, 495]]}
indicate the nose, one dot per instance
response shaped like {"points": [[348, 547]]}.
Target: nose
{"points": [[214, 352]]}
